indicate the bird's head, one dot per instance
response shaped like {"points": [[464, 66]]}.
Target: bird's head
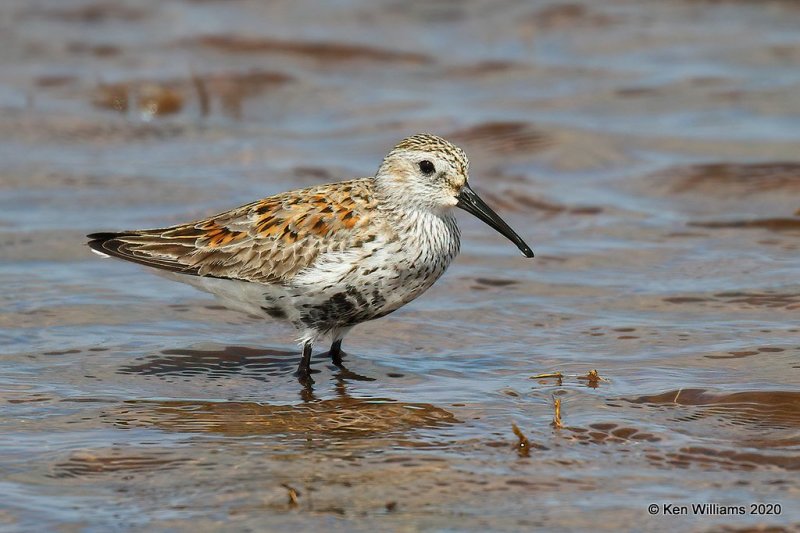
{"points": [[427, 172]]}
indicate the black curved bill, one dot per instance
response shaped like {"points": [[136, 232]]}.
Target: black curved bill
{"points": [[470, 202]]}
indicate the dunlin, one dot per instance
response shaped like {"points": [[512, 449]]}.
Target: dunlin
{"points": [[328, 257]]}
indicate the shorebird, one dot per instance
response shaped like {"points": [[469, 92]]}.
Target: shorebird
{"points": [[330, 256]]}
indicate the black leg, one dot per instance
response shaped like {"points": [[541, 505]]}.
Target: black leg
{"points": [[336, 352], [304, 370]]}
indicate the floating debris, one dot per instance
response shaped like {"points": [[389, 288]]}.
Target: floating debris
{"points": [[157, 100], [557, 423], [391, 507], [593, 378], [550, 375], [151, 99], [292, 493], [557, 375], [524, 445]]}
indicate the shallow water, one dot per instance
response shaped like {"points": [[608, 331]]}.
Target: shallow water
{"points": [[648, 153]]}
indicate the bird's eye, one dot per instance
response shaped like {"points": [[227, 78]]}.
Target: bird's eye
{"points": [[426, 167]]}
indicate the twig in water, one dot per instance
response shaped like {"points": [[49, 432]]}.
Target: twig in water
{"points": [[557, 423], [594, 378], [524, 445], [292, 493]]}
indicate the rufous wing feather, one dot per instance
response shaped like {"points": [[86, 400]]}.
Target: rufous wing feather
{"points": [[267, 241]]}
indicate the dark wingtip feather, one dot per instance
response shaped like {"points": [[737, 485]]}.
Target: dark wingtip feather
{"points": [[98, 240], [110, 244], [103, 236]]}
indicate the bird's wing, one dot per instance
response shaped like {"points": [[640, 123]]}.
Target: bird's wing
{"points": [[268, 241]]}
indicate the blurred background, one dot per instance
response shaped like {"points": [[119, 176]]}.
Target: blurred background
{"points": [[648, 152]]}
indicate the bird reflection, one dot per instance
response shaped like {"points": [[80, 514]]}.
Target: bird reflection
{"points": [[339, 417]]}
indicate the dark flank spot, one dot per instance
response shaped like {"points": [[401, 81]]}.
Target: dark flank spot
{"points": [[274, 312], [338, 309], [357, 296], [377, 299], [340, 302]]}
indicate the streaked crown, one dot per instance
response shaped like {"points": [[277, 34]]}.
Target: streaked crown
{"points": [[426, 142]]}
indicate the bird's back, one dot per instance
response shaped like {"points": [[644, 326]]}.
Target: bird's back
{"points": [[267, 241]]}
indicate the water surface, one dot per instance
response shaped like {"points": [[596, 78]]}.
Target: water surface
{"points": [[647, 151]]}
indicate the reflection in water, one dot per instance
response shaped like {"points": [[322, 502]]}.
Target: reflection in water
{"points": [[343, 417], [229, 361], [766, 409], [100, 462], [340, 418], [218, 363], [750, 421]]}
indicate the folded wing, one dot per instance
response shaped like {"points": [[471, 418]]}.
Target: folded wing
{"points": [[268, 241]]}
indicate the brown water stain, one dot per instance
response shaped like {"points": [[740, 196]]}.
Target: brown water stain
{"points": [[319, 51], [771, 224], [483, 68], [730, 179], [775, 409], [569, 16], [339, 418], [155, 99], [97, 50], [518, 201], [496, 282], [739, 354], [55, 80], [504, 138], [165, 97], [743, 300], [92, 13]]}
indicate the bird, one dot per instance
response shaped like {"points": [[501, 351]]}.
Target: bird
{"points": [[327, 257]]}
